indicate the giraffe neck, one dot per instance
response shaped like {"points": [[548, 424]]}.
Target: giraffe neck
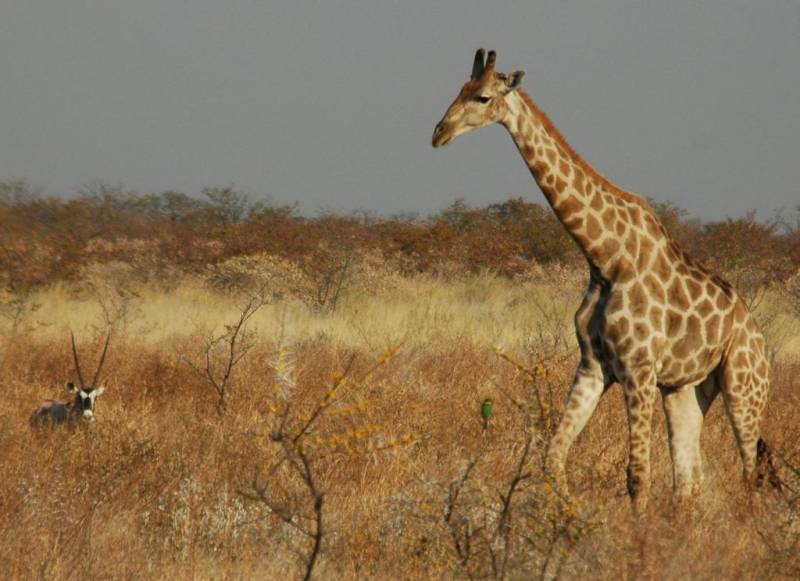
{"points": [[608, 223]]}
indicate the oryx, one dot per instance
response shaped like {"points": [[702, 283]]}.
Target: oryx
{"points": [[81, 408]]}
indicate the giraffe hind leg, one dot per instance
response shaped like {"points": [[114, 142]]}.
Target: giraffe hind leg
{"points": [[744, 393]]}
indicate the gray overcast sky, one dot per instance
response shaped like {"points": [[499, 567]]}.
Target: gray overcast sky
{"points": [[332, 103]]}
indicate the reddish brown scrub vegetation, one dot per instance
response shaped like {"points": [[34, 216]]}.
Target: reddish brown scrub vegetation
{"points": [[301, 396]]}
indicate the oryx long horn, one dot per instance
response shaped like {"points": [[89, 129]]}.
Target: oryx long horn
{"points": [[77, 362], [477, 64], [102, 360]]}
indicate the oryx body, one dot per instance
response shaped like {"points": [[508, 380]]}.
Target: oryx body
{"points": [[57, 412]]}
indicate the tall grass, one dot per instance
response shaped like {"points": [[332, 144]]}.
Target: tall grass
{"points": [[163, 486]]}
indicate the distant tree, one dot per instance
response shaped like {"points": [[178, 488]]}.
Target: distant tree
{"points": [[459, 215], [17, 191], [543, 237], [175, 206], [109, 195], [230, 205]]}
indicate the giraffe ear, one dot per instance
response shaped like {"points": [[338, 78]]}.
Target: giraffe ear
{"points": [[514, 80]]}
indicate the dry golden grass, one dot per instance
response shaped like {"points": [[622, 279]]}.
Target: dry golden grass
{"points": [[416, 311], [161, 485]]}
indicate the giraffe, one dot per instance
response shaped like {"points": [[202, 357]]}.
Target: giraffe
{"points": [[652, 318]]}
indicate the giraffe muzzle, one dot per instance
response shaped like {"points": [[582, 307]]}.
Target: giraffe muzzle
{"points": [[439, 135]]}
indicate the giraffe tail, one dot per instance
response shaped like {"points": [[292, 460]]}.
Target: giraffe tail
{"points": [[766, 467]]}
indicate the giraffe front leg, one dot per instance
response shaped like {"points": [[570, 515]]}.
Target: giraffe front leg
{"points": [[587, 387], [640, 393]]}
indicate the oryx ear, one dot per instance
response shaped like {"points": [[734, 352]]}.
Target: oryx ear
{"points": [[100, 390], [71, 387], [514, 80]]}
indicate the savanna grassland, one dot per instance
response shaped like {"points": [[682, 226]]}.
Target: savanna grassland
{"points": [[289, 395]]}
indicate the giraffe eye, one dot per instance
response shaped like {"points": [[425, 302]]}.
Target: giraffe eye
{"points": [[483, 100]]}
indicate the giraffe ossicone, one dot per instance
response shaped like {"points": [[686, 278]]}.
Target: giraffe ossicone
{"points": [[652, 318]]}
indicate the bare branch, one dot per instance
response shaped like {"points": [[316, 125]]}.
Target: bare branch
{"points": [[324, 403], [223, 352]]}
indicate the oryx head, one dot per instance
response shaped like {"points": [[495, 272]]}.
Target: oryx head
{"points": [[85, 395]]}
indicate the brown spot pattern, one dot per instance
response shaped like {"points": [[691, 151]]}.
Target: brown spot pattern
{"points": [[662, 267], [632, 244], [608, 217], [677, 295], [638, 300], [609, 248], [645, 251], [593, 230], [712, 329], [636, 214], [655, 288], [674, 322], [704, 308], [656, 317], [695, 289]]}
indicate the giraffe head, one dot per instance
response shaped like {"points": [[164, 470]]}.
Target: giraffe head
{"points": [[481, 102]]}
